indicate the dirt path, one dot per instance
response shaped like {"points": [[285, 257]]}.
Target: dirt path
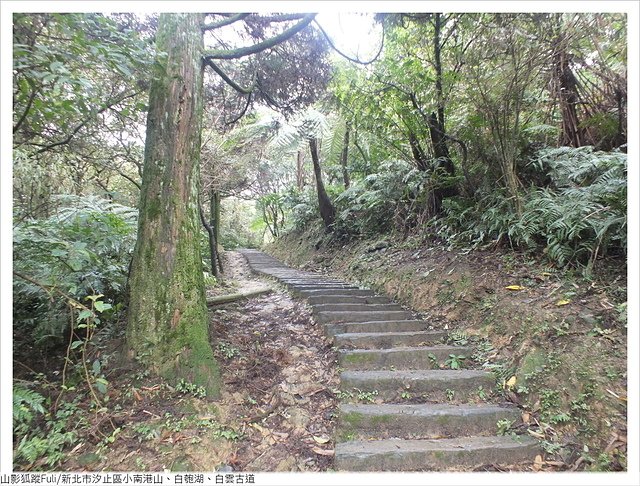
{"points": [[276, 412], [279, 376]]}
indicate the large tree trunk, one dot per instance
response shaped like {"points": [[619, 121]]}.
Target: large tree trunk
{"points": [[168, 321], [437, 129], [419, 155], [327, 211]]}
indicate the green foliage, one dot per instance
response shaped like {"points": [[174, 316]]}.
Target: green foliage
{"points": [[60, 63], [186, 388], [26, 405], [293, 136], [504, 426], [38, 435], [302, 207], [238, 228], [228, 351], [578, 217], [455, 362], [272, 209], [83, 249], [382, 201]]}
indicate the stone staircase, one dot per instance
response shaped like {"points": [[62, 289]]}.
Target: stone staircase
{"points": [[430, 419]]}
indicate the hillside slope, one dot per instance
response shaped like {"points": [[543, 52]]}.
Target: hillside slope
{"points": [[555, 340]]}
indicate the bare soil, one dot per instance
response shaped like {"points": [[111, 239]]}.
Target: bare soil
{"points": [[277, 409]]}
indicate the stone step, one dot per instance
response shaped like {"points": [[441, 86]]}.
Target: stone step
{"points": [[346, 299], [362, 316], [433, 454], [422, 421], [405, 325], [326, 292], [373, 340], [320, 285], [338, 307], [298, 290], [423, 385], [401, 358]]}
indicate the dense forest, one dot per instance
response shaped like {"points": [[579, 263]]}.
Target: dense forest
{"points": [[144, 147]]}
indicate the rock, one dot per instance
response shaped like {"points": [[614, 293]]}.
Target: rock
{"points": [[181, 464], [89, 458], [288, 464], [298, 418]]}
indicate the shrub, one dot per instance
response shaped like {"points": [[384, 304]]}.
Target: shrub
{"points": [[579, 216], [384, 200], [83, 249]]}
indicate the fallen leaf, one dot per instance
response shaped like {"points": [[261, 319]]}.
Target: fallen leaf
{"points": [[323, 452], [514, 287], [136, 395], [563, 302], [537, 463], [321, 440], [526, 417], [511, 382]]}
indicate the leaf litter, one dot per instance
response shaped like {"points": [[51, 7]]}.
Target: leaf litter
{"points": [[277, 410]]}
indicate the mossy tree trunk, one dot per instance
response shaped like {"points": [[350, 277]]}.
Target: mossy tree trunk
{"points": [[168, 322]]}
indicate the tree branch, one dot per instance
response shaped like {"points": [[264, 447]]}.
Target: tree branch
{"points": [[244, 110], [32, 96], [260, 46], [228, 21], [227, 79], [349, 58], [282, 17], [85, 122]]}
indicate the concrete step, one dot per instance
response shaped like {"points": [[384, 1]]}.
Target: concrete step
{"points": [[405, 325], [355, 307], [422, 421], [325, 317], [433, 454], [423, 385], [299, 290], [320, 285], [402, 358], [346, 299], [326, 292], [375, 340], [293, 282]]}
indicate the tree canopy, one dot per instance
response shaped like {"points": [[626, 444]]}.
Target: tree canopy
{"points": [[142, 143]]}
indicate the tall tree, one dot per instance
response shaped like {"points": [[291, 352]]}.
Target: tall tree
{"points": [[168, 324], [327, 211]]}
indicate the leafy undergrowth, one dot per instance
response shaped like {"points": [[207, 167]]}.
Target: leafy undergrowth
{"points": [[276, 412], [555, 340]]}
